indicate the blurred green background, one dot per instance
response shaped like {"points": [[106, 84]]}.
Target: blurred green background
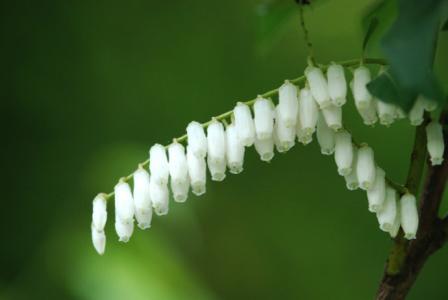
{"points": [[89, 86]]}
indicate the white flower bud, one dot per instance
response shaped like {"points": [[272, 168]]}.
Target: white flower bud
{"points": [[235, 150], [318, 86], [288, 104], [325, 136], [308, 112], [351, 180], [142, 198], [416, 112], [409, 216], [396, 226], [99, 212], [343, 153], [361, 77], [377, 194], [244, 124], [284, 137], [180, 182], [337, 85], [216, 158], [158, 164], [124, 230], [333, 116], [366, 168], [197, 140], [435, 142], [263, 118], [386, 216], [265, 148], [124, 203], [98, 240], [159, 197], [386, 112], [197, 172], [428, 104]]}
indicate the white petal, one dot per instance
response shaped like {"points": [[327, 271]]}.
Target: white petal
{"points": [[409, 216], [308, 112], [99, 212], [361, 77], [180, 181], [159, 197], [288, 104], [158, 164], [263, 118], [235, 150], [197, 172], [386, 112], [244, 124], [377, 194], [265, 148], [124, 203], [333, 116], [366, 168], [284, 137], [142, 199], [318, 86], [428, 104], [396, 226], [416, 112], [435, 142], [124, 230], [337, 85], [98, 240], [386, 216], [343, 153], [197, 140], [325, 136], [368, 114], [180, 190], [351, 180], [216, 158]]}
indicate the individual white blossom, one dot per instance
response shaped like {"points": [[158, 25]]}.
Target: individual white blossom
{"points": [[343, 153], [366, 168], [386, 216], [197, 141], [409, 216], [416, 112], [377, 194], [397, 222], [318, 86], [142, 198], [303, 136], [288, 105], [124, 230], [180, 182], [325, 136], [435, 143], [159, 197], [197, 172], [351, 180], [333, 116], [158, 164], [99, 212], [265, 148], [399, 113], [98, 240], [235, 150], [216, 158], [337, 85], [368, 114], [428, 104], [284, 137], [124, 203], [361, 77], [263, 118], [386, 112], [308, 112], [244, 124]]}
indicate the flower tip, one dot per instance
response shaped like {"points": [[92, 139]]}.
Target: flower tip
{"points": [[410, 236], [144, 226], [436, 161], [180, 198], [218, 176], [344, 171]]}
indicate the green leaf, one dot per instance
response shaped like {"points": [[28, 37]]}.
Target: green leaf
{"points": [[370, 30]]}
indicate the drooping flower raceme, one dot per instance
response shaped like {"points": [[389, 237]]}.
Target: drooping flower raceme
{"points": [[337, 85], [178, 167], [142, 198], [343, 153], [365, 168], [288, 105], [435, 143], [263, 118], [318, 86], [244, 124], [409, 216], [235, 150], [216, 158]]}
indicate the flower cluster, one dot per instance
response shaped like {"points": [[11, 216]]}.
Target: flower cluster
{"points": [[219, 145]]}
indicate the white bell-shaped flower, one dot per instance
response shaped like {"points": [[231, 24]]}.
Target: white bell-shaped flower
{"points": [[351, 180], [124, 230], [368, 114], [435, 142], [400, 114], [377, 194], [159, 197], [142, 198], [98, 240], [396, 226], [308, 112], [99, 212], [265, 148], [386, 216], [416, 112], [197, 171], [428, 104], [333, 116], [318, 86], [304, 136], [409, 216], [263, 118], [386, 112], [284, 137], [235, 150], [244, 124], [197, 141], [366, 168], [337, 85], [343, 153], [325, 136], [180, 182], [288, 104], [361, 77], [216, 158], [124, 203], [158, 164]]}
